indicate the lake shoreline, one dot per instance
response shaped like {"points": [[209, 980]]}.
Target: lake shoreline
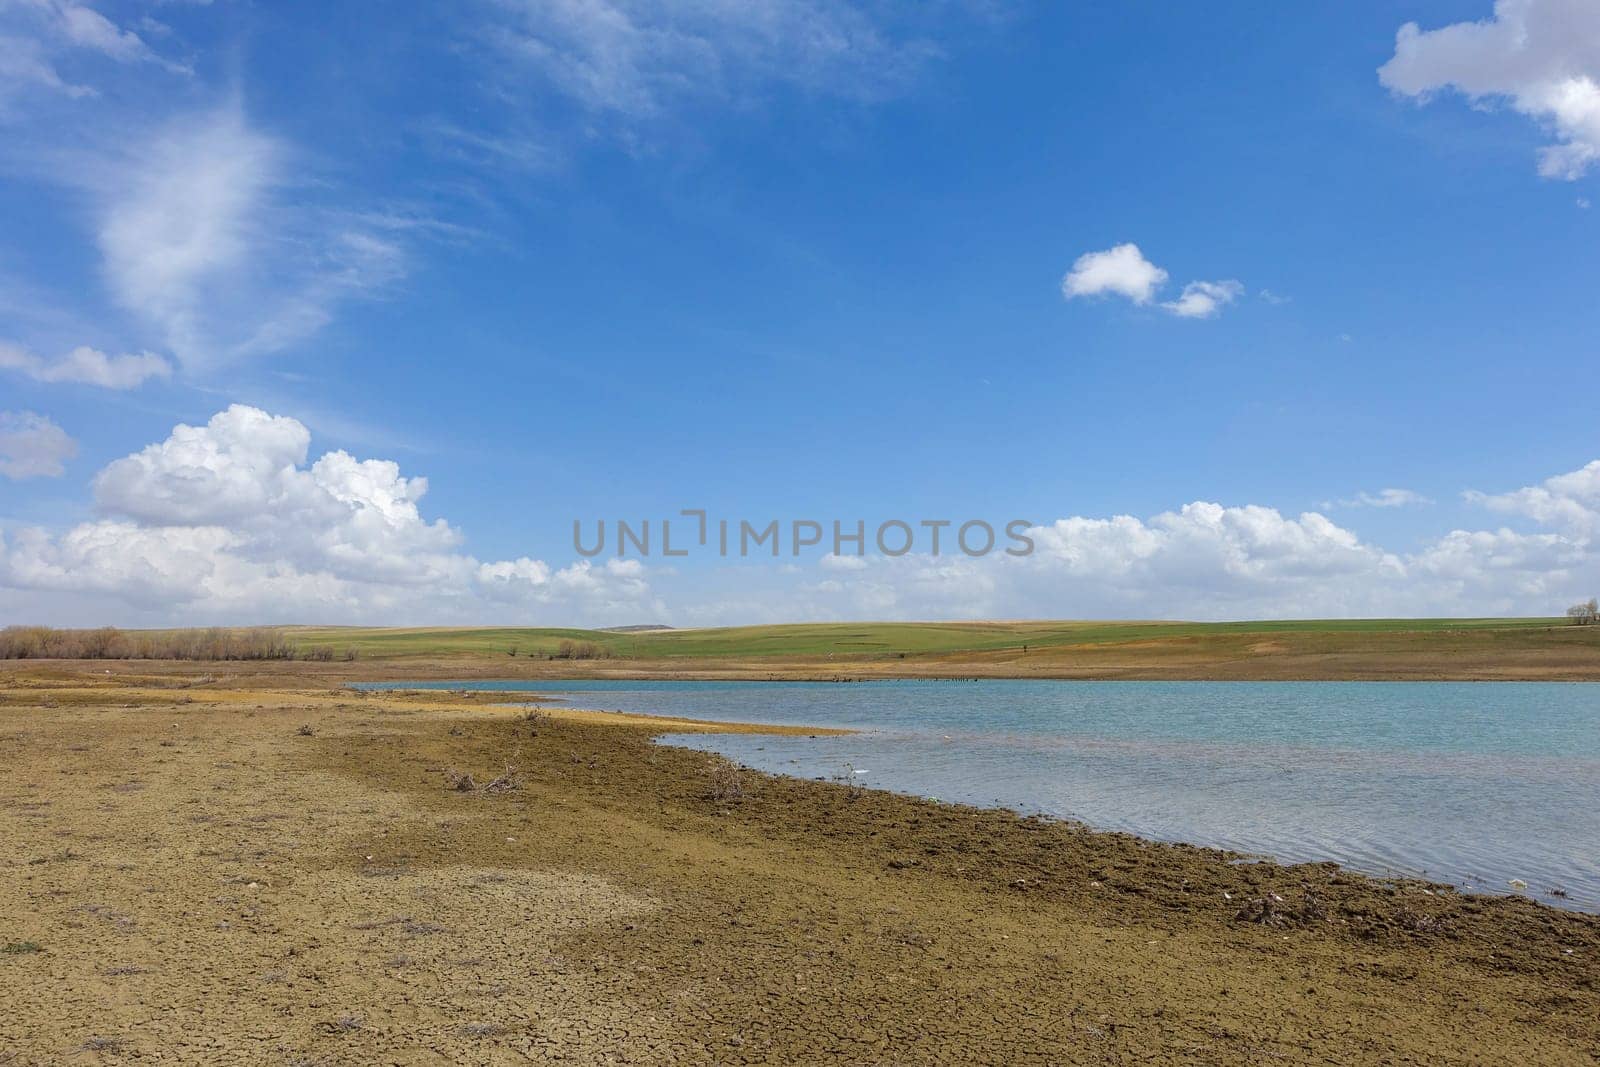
{"points": [[1248, 766], [632, 899]]}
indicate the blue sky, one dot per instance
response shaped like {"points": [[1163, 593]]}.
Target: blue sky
{"points": [[1102, 267]]}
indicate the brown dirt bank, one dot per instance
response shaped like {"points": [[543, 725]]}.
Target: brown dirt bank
{"points": [[189, 877]]}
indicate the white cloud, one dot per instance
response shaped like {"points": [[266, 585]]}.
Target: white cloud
{"points": [[1541, 56], [1123, 270], [86, 366], [234, 522], [1206, 561], [87, 28], [229, 521], [35, 34], [634, 58], [200, 242], [1383, 498], [31, 446], [185, 214], [1568, 502], [1203, 300], [25, 63]]}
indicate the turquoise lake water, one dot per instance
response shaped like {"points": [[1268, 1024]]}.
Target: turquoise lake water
{"points": [[1475, 784]]}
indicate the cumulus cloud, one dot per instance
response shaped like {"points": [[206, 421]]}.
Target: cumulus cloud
{"points": [[1568, 502], [86, 366], [32, 446], [1203, 300], [1540, 56], [229, 521], [1203, 561], [1123, 270], [1207, 560], [234, 521]]}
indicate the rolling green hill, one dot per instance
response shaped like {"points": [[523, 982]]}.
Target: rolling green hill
{"points": [[867, 640]]}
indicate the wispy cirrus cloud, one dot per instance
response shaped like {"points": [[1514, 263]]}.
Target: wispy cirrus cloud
{"points": [[1383, 498], [563, 73], [636, 58], [211, 236], [217, 239], [37, 35]]}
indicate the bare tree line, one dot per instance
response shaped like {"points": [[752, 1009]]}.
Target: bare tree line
{"points": [[580, 650], [217, 643]]}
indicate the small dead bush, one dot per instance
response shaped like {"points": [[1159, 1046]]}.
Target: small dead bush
{"points": [[726, 783], [580, 650], [102, 1044], [1419, 922], [1274, 910], [508, 781], [306, 730], [1265, 911]]}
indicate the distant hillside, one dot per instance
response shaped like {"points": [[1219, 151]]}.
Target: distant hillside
{"points": [[1376, 649]]}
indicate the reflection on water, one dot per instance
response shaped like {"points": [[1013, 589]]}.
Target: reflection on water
{"points": [[1470, 783]]}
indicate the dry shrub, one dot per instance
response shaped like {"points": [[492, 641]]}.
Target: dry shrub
{"points": [[581, 650], [1419, 921], [97, 1043], [726, 783], [508, 781], [1274, 910]]}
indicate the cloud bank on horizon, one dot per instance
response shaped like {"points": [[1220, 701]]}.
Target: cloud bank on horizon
{"points": [[231, 522]]}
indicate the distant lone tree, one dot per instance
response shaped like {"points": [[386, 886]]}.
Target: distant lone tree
{"points": [[1584, 614]]}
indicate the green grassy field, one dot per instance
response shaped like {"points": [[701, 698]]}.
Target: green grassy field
{"points": [[865, 640]]}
